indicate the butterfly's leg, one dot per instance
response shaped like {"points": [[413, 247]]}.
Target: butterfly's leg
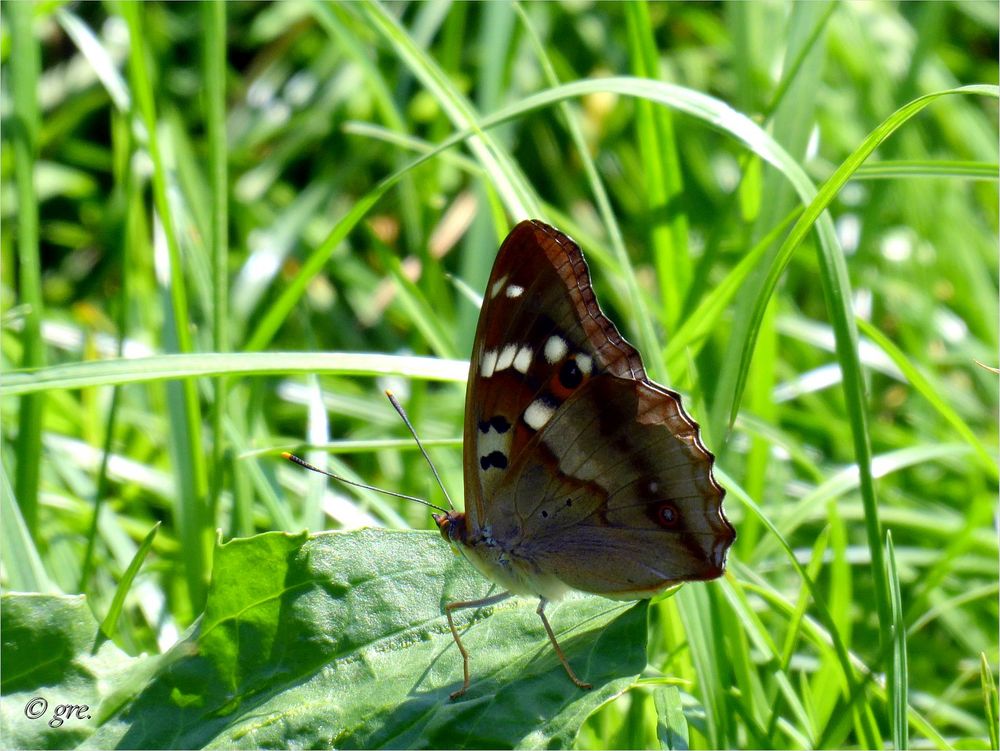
{"points": [[461, 605], [542, 602]]}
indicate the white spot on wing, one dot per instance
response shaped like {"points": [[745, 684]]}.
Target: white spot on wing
{"points": [[523, 360], [487, 443], [506, 358], [488, 364], [537, 414], [498, 285], [515, 291], [585, 363], [555, 349]]}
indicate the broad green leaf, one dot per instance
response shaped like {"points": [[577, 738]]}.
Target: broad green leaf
{"points": [[338, 640], [54, 656]]}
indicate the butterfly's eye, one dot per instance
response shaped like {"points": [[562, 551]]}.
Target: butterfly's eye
{"points": [[667, 515], [570, 375]]}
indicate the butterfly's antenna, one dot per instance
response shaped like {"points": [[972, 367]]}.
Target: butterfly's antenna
{"points": [[314, 468], [402, 413]]}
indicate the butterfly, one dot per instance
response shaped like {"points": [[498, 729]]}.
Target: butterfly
{"points": [[580, 472]]}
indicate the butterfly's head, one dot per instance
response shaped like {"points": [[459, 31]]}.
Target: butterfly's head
{"points": [[452, 525]]}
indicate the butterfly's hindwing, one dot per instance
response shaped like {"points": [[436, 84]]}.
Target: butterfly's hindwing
{"points": [[624, 478]]}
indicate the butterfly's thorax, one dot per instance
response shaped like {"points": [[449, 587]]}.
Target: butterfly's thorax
{"points": [[497, 561]]}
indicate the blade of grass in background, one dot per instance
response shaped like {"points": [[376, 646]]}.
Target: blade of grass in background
{"points": [[664, 184], [931, 393], [214, 52], [191, 509], [124, 200], [109, 626], [641, 319], [836, 290], [173, 367], [519, 197], [25, 570], [897, 682], [889, 170], [672, 728], [25, 63], [990, 702]]}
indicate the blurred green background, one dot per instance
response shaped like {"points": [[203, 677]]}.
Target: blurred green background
{"points": [[202, 179]]}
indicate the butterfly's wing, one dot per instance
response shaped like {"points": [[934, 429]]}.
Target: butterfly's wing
{"points": [[536, 316], [575, 460], [615, 494]]}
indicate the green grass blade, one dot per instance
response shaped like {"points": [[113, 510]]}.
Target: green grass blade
{"points": [[949, 605], [25, 63], [990, 707], [897, 681], [214, 46], [641, 319], [896, 168], [931, 393], [671, 725], [663, 186], [97, 55], [173, 367], [697, 614], [836, 290], [25, 571], [851, 687], [517, 194], [109, 626], [813, 214], [186, 443], [100, 493]]}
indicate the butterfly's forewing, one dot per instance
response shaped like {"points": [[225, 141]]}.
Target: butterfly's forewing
{"points": [[536, 312], [573, 458]]}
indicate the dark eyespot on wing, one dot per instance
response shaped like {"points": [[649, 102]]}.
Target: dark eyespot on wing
{"points": [[666, 514], [570, 375]]}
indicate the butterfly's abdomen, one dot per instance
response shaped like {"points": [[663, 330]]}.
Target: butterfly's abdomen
{"points": [[497, 563]]}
